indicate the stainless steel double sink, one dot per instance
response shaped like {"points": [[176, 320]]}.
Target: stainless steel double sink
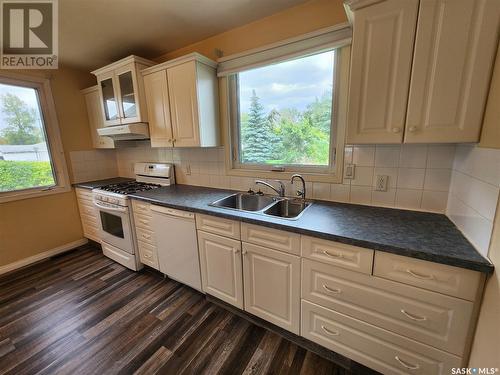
{"points": [[284, 208]]}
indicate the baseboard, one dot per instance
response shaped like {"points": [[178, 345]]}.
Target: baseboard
{"points": [[41, 256]]}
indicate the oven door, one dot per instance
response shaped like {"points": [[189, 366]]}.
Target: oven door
{"points": [[115, 226]]}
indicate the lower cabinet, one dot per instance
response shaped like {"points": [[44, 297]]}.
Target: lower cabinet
{"points": [[221, 267], [382, 350], [272, 286]]}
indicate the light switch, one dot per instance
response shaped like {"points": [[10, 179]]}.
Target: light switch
{"points": [[349, 171]]}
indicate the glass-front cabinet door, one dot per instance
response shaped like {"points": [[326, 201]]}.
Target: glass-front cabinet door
{"points": [[128, 98], [109, 100]]}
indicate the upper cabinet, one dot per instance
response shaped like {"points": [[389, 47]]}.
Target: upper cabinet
{"points": [[420, 70], [381, 59], [94, 112], [183, 102], [121, 91]]}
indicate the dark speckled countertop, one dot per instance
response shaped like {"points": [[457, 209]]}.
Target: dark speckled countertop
{"points": [[99, 183], [421, 235]]}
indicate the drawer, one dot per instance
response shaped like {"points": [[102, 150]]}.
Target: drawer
{"points": [[87, 210], [377, 348], [143, 221], [84, 193], [91, 232], [145, 235], [431, 318], [148, 254], [337, 254], [89, 220], [217, 225], [441, 278], [273, 238], [141, 207]]}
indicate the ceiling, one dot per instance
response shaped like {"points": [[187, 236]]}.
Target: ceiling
{"points": [[93, 33]]}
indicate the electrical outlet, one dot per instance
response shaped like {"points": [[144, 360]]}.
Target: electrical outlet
{"points": [[381, 183], [349, 170], [187, 169]]}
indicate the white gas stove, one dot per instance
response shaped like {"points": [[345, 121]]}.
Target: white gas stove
{"points": [[116, 222]]}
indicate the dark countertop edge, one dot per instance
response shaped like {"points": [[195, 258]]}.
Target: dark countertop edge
{"points": [[443, 259]]}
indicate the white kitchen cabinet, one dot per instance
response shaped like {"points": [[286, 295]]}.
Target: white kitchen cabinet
{"points": [[183, 102], [88, 214], [455, 48], [272, 285], [425, 81], [121, 90], [160, 127], [144, 232], [381, 58], [94, 113], [221, 267]]}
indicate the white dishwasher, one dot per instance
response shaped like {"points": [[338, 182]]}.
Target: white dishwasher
{"points": [[177, 245]]}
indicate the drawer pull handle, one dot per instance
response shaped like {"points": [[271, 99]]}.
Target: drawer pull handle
{"points": [[146, 236], [331, 333], [413, 317], [143, 221], [407, 365], [236, 251], [422, 277], [331, 290], [339, 255]]}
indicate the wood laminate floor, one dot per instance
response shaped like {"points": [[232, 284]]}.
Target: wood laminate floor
{"points": [[81, 313]]}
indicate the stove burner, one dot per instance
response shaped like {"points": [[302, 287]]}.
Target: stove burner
{"points": [[129, 187]]}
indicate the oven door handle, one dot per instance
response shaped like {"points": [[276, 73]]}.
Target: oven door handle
{"points": [[110, 208]]}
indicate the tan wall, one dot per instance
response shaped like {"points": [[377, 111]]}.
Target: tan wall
{"points": [[31, 226], [490, 136], [304, 18], [486, 345]]}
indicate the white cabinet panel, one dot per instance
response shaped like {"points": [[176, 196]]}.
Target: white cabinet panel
{"points": [[94, 113], [431, 318], [160, 127], [269, 237], [184, 104], [457, 282], [272, 286], [221, 267], [384, 351], [381, 59], [338, 254], [455, 48]]}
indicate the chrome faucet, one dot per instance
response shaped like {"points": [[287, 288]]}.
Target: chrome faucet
{"points": [[280, 191], [300, 193]]}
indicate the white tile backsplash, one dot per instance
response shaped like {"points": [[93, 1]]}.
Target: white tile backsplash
{"points": [[473, 193], [93, 165], [411, 185]]}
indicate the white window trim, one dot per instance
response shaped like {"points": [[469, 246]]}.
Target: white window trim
{"points": [[229, 122], [47, 106]]}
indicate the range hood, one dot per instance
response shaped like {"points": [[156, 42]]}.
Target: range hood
{"points": [[128, 132]]}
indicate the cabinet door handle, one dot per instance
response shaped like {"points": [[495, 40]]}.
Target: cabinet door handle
{"points": [[143, 221], [244, 252], [146, 236], [413, 317], [413, 129], [338, 255], [330, 332], [396, 129], [422, 277], [236, 251], [406, 365], [331, 290]]}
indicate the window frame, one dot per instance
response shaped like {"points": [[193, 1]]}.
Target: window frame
{"points": [[54, 143], [230, 120]]}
